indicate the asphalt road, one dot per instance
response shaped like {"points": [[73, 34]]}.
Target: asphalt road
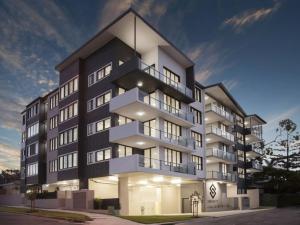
{"points": [[19, 219], [284, 216]]}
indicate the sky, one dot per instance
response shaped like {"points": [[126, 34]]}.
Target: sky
{"points": [[251, 46]]}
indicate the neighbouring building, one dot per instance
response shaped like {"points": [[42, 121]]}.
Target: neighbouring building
{"points": [[130, 122]]}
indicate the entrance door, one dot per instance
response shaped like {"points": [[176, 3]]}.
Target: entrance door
{"points": [[186, 205]]}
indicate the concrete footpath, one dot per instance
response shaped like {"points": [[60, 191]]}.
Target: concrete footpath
{"points": [[103, 219]]}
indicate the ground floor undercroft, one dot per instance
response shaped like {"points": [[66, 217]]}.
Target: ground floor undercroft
{"points": [[153, 194], [149, 194]]}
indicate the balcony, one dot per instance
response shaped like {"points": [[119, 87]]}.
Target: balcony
{"points": [[216, 175], [134, 70], [215, 155], [254, 151], [135, 100], [253, 134], [214, 114], [137, 135], [139, 163], [215, 134], [254, 166]]}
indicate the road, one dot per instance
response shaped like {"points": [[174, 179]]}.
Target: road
{"points": [[19, 219], [288, 216]]}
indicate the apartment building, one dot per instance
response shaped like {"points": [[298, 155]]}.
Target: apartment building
{"points": [[128, 123], [232, 145]]}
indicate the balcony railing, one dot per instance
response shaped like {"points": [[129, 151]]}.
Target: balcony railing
{"points": [[217, 131], [177, 140], [165, 107], [166, 166], [216, 175], [160, 76], [220, 154], [219, 111]]}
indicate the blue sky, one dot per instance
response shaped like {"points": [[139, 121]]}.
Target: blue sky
{"points": [[251, 46]]}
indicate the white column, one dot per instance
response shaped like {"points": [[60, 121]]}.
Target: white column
{"points": [[124, 196]]}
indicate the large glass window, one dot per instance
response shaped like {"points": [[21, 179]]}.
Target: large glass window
{"points": [[170, 77], [171, 130], [54, 101], [197, 94], [197, 115], [151, 158], [198, 138], [150, 128], [53, 122], [98, 155], [124, 151], [32, 149], [172, 157], [33, 130], [68, 136], [171, 104], [99, 74], [98, 126], [198, 161], [69, 112], [68, 161], [32, 169], [99, 101], [69, 88]]}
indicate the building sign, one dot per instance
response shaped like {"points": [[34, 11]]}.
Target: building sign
{"points": [[212, 190]]}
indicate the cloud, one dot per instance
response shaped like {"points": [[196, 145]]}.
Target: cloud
{"points": [[195, 53], [230, 84], [248, 17], [9, 157], [210, 58], [114, 8]]}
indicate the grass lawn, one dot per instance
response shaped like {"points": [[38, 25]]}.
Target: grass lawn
{"points": [[74, 217], [157, 219]]}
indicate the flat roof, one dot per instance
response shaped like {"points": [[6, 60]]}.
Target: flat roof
{"points": [[123, 28]]}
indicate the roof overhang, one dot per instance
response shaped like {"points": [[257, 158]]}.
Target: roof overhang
{"points": [[256, 118], [222, 95], [147, 37]]}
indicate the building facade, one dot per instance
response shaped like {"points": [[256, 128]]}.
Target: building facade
{"points": [[128, 121]]}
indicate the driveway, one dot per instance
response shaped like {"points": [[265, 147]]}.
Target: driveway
{"points": [[19, 219], [288, 216]]}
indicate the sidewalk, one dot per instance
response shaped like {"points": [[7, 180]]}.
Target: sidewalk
{"points": [[231, 212]]}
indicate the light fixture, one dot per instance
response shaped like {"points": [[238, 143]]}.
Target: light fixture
{"points": [[158, 179], [143, 182], [207, 139], [113, 178], [178, 185], [140, 143], [206, 119], [140, 113], [206, 97], [140, 84], [176, 181]]}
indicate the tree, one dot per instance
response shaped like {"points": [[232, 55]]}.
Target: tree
{"points": [[284, 150], [31, 195]]}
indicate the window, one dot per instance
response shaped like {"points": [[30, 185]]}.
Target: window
{"points": [[99, 74], [171, 104], [68, 136], [67, 161], [32, 169], [32, 111], [197, 94], [32, 149], [69, 88], [54, 101], [23, 119], [198, 161], [98, 126], [197, 115], [150, 128], [171, 130], [120, 91], [170, 77], [53, 166], [123, 120], [198, 138], [151, 158], [224, 168], [172, 157], [124, 151], [69, 112], [23, 137], [53, 122], [33, 130], [23, 154], [99, 101], [53, 143], [98, 155]]}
